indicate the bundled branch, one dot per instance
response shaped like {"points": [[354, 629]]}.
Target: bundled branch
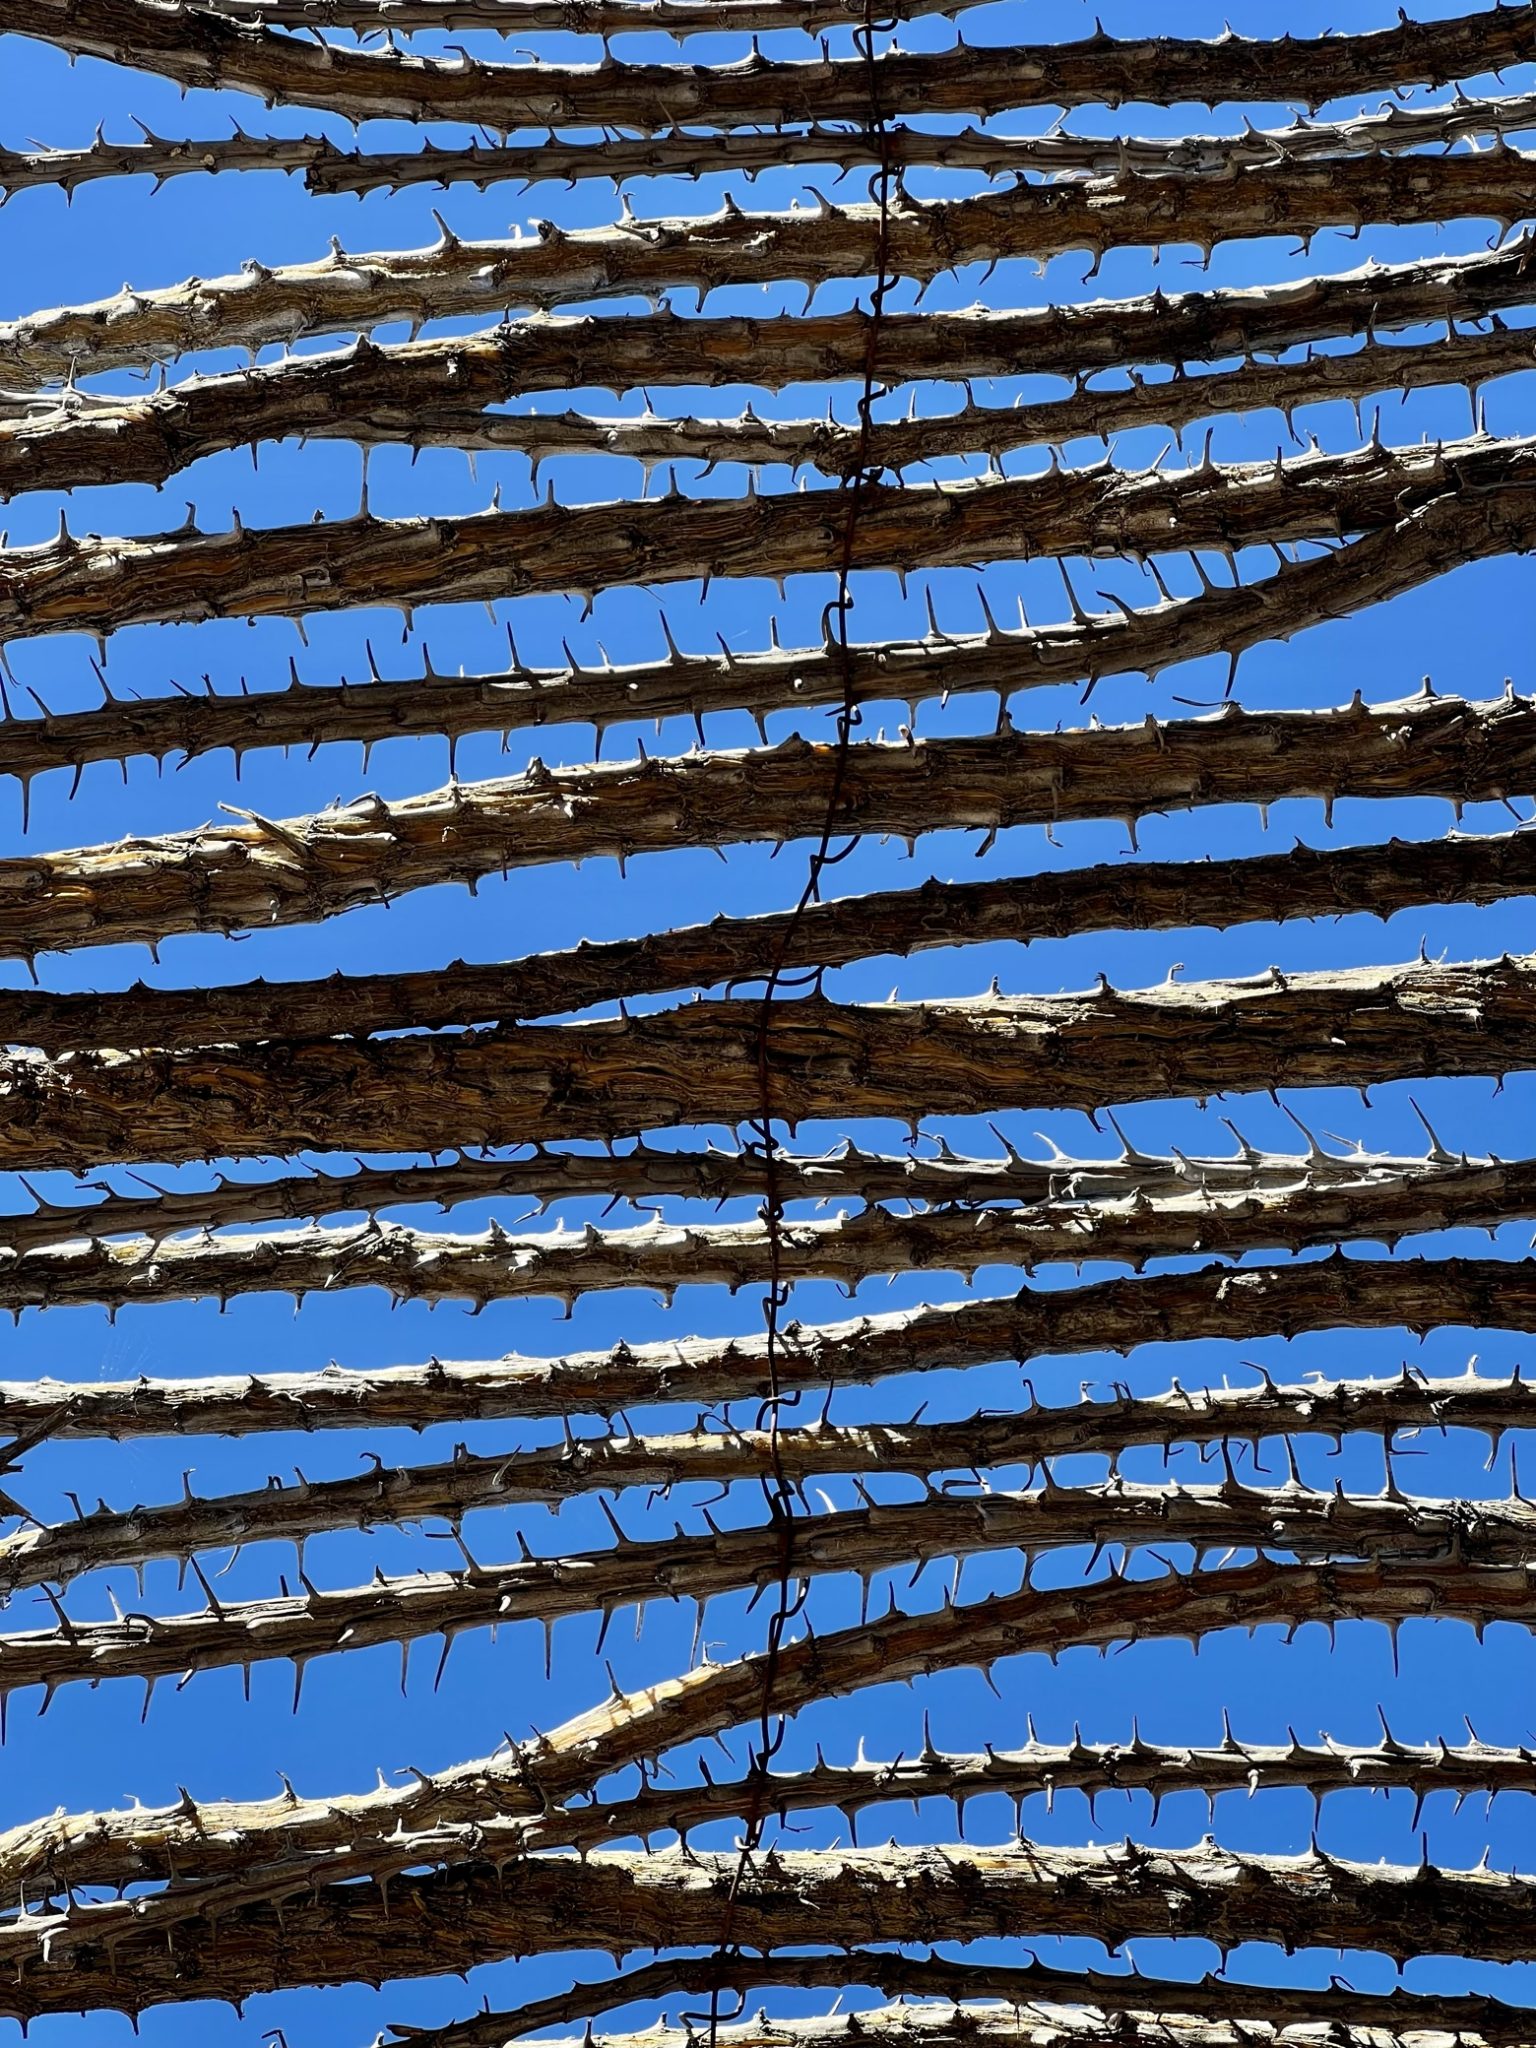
{"points": [[1446, 534], [329, 169], [1155, 895], [497, 1265], [1112, 1315], [36, 1554], [199, 46]]}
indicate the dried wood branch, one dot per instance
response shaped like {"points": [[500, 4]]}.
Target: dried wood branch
{"points": [[1315, 1527], [995, 2024], [1155, 895], [1466, 2017], [263, 872], [1332, 585], [329, 169], [451, 1920], [382, 1495], [1113, 1315], [498, 1265], [96, 440], [577, 17], [351, 292], [98, 586], [533, 1083], [197, 46], [286, 1839], [713, 1174], [1049, 1769]]}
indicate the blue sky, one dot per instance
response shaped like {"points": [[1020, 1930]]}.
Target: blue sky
{"points": [[1470, 632]]}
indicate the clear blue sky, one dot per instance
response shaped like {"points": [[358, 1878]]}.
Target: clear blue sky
{"points": [[1470, 632]]}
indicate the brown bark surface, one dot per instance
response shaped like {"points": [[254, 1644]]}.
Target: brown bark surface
{"points": [[452, 1920], [348, 292], [1445, 535], [148, 439], [329, 169], [281, 1840], [1467, 2018], [714, 1174], [1315, 1527]]}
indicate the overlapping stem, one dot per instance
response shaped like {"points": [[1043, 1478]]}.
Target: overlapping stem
{"points": [[860, 1541], [452, 1920], [553, 352], [1016, 1984], [97, 586], [1113, 1315], [578, 17], [280, 1844], [350, 292], [711, 1174], [532, 1083]]}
